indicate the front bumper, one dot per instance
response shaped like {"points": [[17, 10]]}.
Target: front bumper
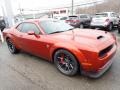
{"points": [[76, 25], [96, 26], [99, 25], [101, 70]]}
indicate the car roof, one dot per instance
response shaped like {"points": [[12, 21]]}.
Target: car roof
{"points": [[82, 14], [73, 16], [105, 12], [39, 20], [79, 15]]}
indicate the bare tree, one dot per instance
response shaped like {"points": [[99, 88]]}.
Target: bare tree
{"points": [[107, 5]]}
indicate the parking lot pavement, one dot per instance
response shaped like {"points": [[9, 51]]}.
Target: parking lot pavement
{"points": [[27, 72]]}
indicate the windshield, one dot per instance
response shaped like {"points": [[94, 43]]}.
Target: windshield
{"points": [[63, 18], [101, 15], [83, 16], [55, 26]]}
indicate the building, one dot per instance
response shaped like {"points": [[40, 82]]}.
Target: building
{"points": [[59, 12]]}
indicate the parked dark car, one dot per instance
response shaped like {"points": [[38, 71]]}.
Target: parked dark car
{"points": [[2, 25], [79, 21], [119, 26]]}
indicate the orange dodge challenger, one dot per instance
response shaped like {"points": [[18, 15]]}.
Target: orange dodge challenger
{"points": [[71, 49]]}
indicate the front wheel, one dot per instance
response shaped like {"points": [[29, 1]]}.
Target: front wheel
{"points": [[65, 62], [11, 47]]}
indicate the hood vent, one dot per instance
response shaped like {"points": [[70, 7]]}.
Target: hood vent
{"points": [[100, 37]]}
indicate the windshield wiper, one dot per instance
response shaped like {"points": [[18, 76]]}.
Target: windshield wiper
{"points": [[61, 31], [70, 29], [56, 32]]}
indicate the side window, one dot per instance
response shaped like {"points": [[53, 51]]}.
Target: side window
{"points": [[113, 15], [30, 27], [63, 18], [83, 16], [19, 27]]}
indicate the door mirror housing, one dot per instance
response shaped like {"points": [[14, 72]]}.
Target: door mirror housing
{"points": [[31, 33]]}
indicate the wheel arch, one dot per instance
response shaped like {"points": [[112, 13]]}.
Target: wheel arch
{"points": [[7, 38], [112, 23], [79, 63], [62, 49], [74, 51], [12, 39]]}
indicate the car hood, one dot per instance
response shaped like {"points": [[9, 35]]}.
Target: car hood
{"points": [[86, 37]]}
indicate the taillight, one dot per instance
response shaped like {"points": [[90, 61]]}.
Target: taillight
{"points": [[75, 21], [66, 21]]}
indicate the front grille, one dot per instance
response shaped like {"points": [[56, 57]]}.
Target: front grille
{"points": [[105, 51]]}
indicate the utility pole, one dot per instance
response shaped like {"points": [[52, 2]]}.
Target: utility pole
{"points": [[72, 7], [8, 12]]}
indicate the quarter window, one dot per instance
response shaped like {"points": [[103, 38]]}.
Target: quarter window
{"points": [[113, 15], [19, 27]]}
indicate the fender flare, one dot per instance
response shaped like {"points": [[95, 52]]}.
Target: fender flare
{"points": [[71, 48]]}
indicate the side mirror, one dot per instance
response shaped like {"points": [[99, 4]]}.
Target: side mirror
{"points": [[31, 33]]}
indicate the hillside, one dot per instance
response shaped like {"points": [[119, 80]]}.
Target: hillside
{"points": [[108, 5]]}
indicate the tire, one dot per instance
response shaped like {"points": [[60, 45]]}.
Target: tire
{"points": [[92, 27], [110, 27], [11, 47], [81, 26], [66, 63], [118, 30]]}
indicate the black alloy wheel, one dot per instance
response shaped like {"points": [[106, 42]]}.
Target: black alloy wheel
{"points": [[11, 47], [66, 63]]}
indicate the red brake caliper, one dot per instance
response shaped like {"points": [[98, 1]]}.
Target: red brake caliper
{"points": [[62, 59]]}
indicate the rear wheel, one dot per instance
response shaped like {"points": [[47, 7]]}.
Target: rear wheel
{"points": [[65, 62], [119, 30], [11, 47], [110, 27], [92, 27], [81, 26]]}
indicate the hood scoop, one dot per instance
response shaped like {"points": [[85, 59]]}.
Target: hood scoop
{"points": [[100, 37]]}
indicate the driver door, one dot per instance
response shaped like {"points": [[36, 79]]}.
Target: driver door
{"points": [[24, 38], [33, 44]]}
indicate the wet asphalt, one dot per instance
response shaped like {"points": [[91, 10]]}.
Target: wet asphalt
{"points": [[27, 72]]}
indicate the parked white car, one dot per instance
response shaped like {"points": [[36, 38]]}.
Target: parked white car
{"points": [[105, 20]]}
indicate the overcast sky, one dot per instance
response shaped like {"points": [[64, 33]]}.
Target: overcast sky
{"points": [[44, 4], [47, 3]]}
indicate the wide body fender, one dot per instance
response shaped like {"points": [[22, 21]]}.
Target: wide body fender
{"points": [[71, 48]]}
